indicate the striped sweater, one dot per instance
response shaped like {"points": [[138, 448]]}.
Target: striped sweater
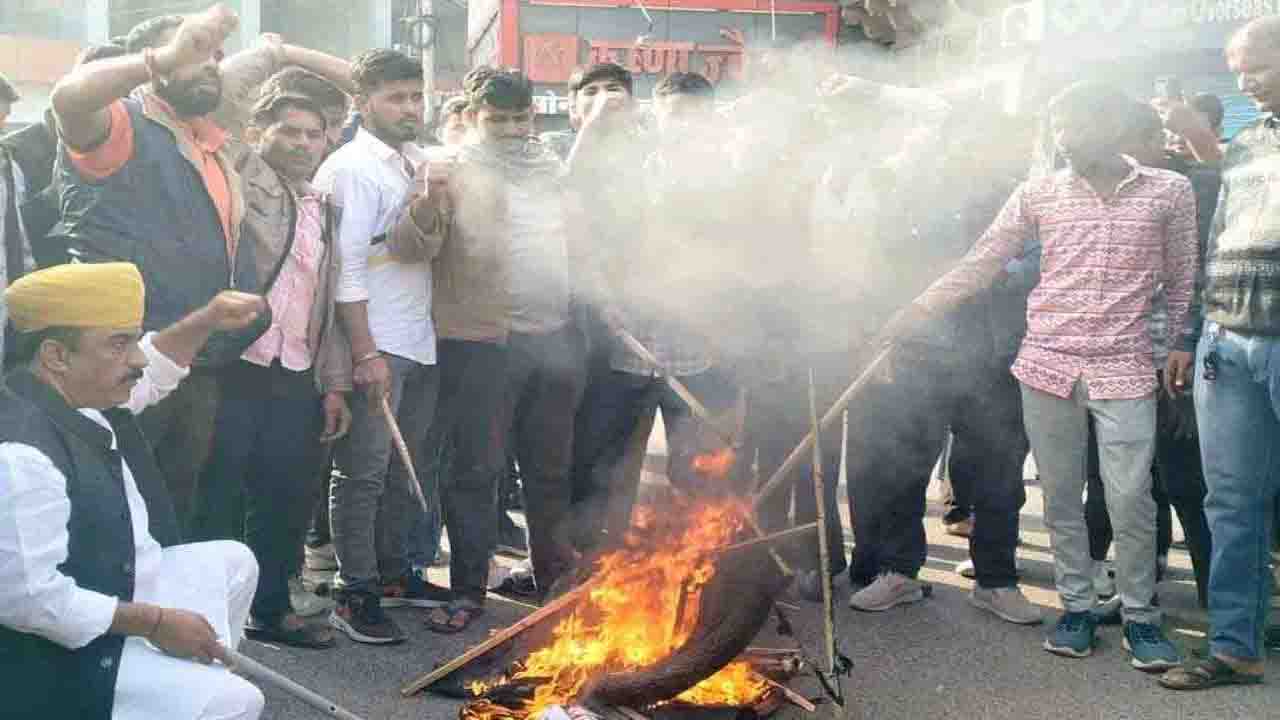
{"points": [[1239, 287]]}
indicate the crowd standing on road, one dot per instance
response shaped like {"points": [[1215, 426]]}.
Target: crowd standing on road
{"points": [[234, 285]]}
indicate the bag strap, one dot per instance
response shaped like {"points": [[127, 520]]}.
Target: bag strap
{"points": [[288, 246]]}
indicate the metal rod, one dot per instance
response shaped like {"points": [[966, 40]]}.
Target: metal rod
{"points": [[783, 473], [824, 553], [397, 438], [253, 670]]}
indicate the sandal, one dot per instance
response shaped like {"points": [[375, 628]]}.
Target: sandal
{"points": [[453, 618], [310, 637], [1204, 673]]}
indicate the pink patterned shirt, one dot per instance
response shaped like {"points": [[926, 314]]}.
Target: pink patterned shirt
{"points": [[1088, 318], [293, 295]]}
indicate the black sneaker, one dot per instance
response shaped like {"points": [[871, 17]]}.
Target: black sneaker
{"points": [[360, 616], [412, 591]]}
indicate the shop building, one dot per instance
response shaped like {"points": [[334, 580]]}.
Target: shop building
{"points": [[547, 39]]}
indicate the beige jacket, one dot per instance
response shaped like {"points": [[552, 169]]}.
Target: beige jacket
{"points": [[469, 248]]}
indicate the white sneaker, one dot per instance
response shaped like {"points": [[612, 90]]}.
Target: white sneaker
{"points": [[1008, 604], [1104, 579], [321, 558], [888, 591]]}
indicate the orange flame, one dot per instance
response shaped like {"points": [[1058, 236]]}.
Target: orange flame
{"points": [[644, 608], [715, 465]]}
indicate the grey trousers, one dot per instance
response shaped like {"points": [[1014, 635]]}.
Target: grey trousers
{"points": [[1059, 434], [370, 505]]}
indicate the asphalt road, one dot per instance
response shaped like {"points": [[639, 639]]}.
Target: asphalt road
{"points": [[939, 659]]}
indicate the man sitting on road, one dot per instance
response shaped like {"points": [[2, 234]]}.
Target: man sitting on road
{"points": [[100, 608]]}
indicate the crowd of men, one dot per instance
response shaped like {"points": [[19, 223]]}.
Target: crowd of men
{"points": [[258, 257]]}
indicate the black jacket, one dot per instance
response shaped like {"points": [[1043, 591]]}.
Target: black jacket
{"points": [[157, 213]]}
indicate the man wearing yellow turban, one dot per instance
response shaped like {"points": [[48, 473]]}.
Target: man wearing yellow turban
{"points": [[101, 609]]}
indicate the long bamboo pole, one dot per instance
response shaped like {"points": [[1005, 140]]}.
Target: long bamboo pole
{"points": [[768, 539], [542, 614], [824, 553], [783, 474]]}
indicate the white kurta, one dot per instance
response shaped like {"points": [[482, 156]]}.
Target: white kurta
{"points": [[215, 579]]}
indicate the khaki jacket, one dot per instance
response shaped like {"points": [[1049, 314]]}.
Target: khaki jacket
{"points": [[469, 248], [267, 225]]}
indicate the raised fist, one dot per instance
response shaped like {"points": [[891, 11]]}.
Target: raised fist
{"points": [[233, 310], [198, 38]]}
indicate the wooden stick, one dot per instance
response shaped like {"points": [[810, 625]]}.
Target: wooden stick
{"points": [[782, 475], [796, 698], [543, 613], [824, 566], [771, 652], [760, 533], [253, 670], [768, 539], [397, 438], [631, 714]]}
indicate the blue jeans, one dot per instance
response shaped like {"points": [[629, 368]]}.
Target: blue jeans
{"points": [[1239, 419], [370, 505]]}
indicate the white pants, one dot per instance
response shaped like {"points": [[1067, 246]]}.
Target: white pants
{"points": [[216, 580]]}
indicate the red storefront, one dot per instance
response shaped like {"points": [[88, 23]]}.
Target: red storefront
{"points": [[549, 38]]}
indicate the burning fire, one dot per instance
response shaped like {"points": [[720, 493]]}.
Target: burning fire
{"points": [[715, 465], [644, 606]]}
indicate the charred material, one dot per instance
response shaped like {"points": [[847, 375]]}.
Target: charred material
{"points": [[733, 608]]}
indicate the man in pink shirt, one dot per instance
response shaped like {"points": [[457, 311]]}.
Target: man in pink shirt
{"points": [[1111, 231], [286, 395]]}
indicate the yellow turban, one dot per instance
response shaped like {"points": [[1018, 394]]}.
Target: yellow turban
{"points": [[82, 295]]}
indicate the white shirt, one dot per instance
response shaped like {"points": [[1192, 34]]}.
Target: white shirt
{"points": [[369, 180], [35, 596]]}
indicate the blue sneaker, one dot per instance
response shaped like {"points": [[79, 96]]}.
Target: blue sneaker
{"points": [[1150, 649], [1073, 635]]}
